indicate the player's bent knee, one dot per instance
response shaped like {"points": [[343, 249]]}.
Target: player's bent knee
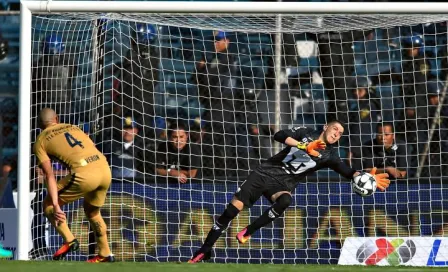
{"points": [[237, 203], [284, 201], [90, 210], [232, 211], [281, 204], [275, 196]]}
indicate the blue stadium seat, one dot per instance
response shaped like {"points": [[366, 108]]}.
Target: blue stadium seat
{"points": [[308, 65], [377, 57]]}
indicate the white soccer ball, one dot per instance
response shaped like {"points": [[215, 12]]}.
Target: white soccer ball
{"points": [[364, 184]]}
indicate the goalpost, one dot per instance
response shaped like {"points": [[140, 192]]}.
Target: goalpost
{"points": [[293, 64]]}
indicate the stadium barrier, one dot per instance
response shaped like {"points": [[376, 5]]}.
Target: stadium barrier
{"points": [[393, 251], [168, 222]]}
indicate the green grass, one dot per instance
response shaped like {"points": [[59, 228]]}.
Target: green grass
{"points": [[19, 266]]}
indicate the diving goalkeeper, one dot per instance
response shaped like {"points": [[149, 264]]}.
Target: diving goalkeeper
{"points": [[89, 177], [307, 151]]}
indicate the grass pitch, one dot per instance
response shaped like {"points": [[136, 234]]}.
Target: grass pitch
{"points": [[21, 266]]}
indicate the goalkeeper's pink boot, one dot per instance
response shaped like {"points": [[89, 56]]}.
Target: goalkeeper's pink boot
{"points": [[200, 256], [241, 237]]}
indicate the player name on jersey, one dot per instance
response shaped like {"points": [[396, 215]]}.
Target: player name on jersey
{"points": [[57, 131], [90, 159]]}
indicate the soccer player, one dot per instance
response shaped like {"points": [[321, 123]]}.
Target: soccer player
{"points": [[90, 177], [307, 151]]}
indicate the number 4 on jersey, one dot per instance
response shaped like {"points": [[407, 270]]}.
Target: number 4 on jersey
{"points": [[72, 141]]}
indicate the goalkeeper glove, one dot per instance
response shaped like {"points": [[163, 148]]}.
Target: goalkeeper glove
{"points": [[382, 181], [312, 147]]}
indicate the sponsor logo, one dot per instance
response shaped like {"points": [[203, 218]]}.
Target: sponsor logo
{"points": [[433, 255], [395, 252]]}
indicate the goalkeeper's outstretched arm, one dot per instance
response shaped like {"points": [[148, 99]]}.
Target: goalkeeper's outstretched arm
{"points": [[344, 170]]}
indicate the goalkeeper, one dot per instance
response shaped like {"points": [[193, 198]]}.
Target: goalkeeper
{"points": [[89, 177], [307, 151]]}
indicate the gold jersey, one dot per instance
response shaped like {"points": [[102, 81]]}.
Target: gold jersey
{"points": [[68, 144]]}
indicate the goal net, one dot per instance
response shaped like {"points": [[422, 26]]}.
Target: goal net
{"points": [[229, 81]]}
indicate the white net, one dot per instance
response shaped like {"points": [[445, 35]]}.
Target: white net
{"points": [[127, 78]]}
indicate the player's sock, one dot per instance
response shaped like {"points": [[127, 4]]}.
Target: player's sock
{"points": [[221, 225], [277, 209], [65, 232], [100, 230], [62, 228]]}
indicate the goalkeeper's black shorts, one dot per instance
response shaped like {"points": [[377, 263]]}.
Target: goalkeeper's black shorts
{"points": [[256, 185]]}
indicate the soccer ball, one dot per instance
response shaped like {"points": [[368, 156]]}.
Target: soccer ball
{"points": [[364, 184]]}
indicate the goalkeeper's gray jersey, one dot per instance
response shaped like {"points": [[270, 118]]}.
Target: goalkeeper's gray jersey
{"points": [[291, 164]]}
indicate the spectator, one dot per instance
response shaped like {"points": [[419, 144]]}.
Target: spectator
{"points": [[53, 78], [126, 153], [226, 135], [414, 77], [337, 64], [385, 153], [9, 120], [9, 116], [364, 112], [6, 199], [438, 146], [137, 79], [177, 159], [250, 122], [8, 183], [415, 72]]}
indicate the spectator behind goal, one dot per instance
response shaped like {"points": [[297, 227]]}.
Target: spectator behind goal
{"points": [[177, 159], [137, 79], [53, 78], [383, 152], [126, 154], [226, 142], [437, 153]]}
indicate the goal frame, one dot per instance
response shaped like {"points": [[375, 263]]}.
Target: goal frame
{"points": [[27, 8]]}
